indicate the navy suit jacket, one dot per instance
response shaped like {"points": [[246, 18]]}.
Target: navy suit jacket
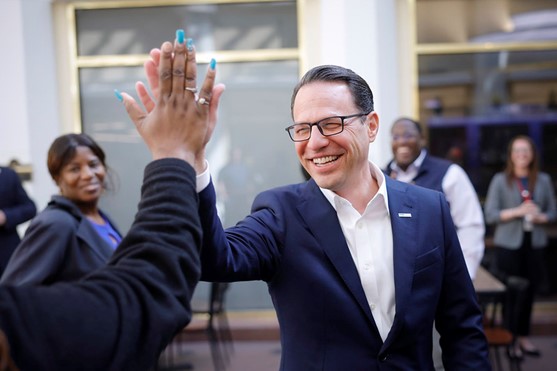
{"points": [[430, 173], [294, 242], [18, 208]]}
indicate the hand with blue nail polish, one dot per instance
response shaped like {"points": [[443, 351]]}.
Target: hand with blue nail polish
{"points": [[180, 36], [173, 123], [209, 94]]}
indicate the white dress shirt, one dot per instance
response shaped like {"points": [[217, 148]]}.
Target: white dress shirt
{"points": [[466, 211], [202, 180], [370, 241]]}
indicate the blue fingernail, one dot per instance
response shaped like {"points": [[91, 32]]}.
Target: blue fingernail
{"points": [[189, 44], [180, 36], [118, 95], [213, 63]]}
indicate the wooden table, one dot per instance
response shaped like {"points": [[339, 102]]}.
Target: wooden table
{"points": [[486, 284]]}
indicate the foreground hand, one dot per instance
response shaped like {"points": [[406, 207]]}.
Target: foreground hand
{"points": [[151, 66], [175, 124]]}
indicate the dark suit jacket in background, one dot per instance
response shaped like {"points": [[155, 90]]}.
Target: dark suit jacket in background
{"points": [[430, 173], [121, 316], [18, 208], [294, 242], [60, 244]]}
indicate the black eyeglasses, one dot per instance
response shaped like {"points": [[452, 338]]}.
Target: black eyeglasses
{"points": [[327, 127]]}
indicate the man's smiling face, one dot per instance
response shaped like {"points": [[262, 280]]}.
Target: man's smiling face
{"points": [[406, 142], [335, 162]]}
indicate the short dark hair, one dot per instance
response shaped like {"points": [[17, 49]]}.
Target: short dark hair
{"points": [[416, 123], [361, 92], [63, 150]]}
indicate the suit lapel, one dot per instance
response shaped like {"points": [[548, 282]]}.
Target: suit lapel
{"points": [[85, 230], [322, 220], [93, 240], [404, 217]]}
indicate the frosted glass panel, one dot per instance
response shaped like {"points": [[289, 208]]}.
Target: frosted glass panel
{"points": [[246, 26], [254, 110]]}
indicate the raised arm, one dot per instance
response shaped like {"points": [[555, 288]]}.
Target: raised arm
{"points": [[122, 316], [21, 208], [174, 103], [211, 98]]}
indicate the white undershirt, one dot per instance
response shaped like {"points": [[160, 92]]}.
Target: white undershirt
{"points": [[370, 241], [408, 175]]}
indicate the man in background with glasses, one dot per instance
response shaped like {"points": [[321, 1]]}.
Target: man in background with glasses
{"points": [[358, 265]]}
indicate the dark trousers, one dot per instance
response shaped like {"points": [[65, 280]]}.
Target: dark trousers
{"points": [[527, 263]]}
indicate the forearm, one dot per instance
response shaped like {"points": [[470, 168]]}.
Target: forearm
{"points": [[167, 225], [509, 214], [122, 315], [21, 213]]}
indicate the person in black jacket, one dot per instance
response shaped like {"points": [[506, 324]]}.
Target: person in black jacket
{"points": [[122, 316], [15, 208]]}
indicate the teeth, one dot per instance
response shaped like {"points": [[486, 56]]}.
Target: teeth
{"points": [[324, 160]]}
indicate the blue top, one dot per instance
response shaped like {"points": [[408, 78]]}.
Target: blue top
{"points": [[107, 232]]}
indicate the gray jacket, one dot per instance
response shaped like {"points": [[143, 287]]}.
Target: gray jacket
{"points": [[500, 196]]}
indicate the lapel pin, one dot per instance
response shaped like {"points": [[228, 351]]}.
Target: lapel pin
{"points": [[404, 215]]}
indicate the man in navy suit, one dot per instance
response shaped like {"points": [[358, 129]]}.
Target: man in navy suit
{"points": [[359, 266]]}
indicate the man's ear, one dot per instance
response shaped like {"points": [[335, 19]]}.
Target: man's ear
{"points": [[373, 125]]}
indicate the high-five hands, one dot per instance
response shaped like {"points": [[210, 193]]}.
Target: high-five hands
{"points": [[179, 121]]}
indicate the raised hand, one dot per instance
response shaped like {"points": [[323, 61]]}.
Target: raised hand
{"points": [[174, 124], [151, 67]]}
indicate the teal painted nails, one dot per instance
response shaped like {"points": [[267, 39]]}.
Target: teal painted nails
{"points": [[180, 36], [189, 44], [118, 95], [213, 63]]}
